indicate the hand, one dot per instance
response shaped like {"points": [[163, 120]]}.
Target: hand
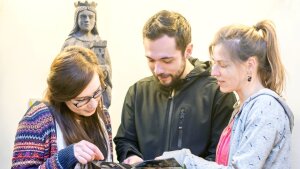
{"points": [[132, 159], [85, 152], [179, 155], [159, 158]]}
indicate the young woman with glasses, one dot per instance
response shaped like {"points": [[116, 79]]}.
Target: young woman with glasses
{"points": [[70, 127]]}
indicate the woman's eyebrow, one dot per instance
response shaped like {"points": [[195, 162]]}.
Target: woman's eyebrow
{"points": [[83, 97]]}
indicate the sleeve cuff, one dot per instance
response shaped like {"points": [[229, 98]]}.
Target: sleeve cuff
{"points": [[66, 157]]}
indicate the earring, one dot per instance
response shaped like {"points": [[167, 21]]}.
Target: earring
{"points": [[249, 78]]}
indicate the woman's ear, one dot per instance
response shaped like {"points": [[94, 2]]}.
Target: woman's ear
{"points": [[188, 51], [252, 63]]}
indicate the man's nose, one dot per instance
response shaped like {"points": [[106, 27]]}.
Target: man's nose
{"points": [[158, 69]]}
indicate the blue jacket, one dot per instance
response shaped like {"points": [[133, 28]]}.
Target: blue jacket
{"points": [[261, 136]]}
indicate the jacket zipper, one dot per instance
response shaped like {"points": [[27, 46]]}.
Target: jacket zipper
{"points": [[168, 143], [180, 127]]}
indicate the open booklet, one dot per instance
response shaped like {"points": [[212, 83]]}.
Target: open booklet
{"points": [[164, 163], [148, 164]]}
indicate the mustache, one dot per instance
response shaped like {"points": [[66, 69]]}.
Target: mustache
{"points": [[163, 75]]}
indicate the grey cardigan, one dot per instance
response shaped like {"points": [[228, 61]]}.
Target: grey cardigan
{"points": [[261, 136]]}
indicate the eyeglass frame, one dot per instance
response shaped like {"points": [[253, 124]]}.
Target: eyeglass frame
{"points": [[88, 98]]}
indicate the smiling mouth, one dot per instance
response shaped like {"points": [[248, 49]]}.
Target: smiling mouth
{"points": [[90, 110], [163, 78], [163, 75]]}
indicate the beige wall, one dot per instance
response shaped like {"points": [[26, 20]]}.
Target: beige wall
{"points": [[32, 33]]}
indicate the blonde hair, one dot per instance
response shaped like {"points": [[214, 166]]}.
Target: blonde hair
{"points": [[260, 41]]}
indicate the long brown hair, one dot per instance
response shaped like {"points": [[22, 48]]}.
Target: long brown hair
{"points": [[70, 72], [260, 41]]}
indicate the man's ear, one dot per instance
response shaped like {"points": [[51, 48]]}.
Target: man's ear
{"points": [[188, 50]]}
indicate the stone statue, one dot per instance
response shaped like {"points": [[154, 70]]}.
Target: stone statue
{"points": [[85, 34]]}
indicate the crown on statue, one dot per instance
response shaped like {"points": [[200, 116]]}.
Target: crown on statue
{"points": [[85, 4]]}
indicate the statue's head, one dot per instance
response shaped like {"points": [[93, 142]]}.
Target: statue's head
{"points": [[85, 17]]}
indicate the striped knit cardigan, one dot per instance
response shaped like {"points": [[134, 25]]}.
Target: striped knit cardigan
{"points": [[35, 142]]}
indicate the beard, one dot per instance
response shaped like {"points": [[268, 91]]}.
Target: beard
{"points": [[175, 78]]}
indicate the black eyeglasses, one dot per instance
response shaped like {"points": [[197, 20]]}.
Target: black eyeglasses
{"points": [[86, 100]]}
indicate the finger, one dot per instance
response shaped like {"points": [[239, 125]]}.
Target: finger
{"points": [[88, 157], [81, 160], [85, 152], [158, 158], [135, 160], [98, 155], [126, 161], [96, 151], [88, 153]]}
